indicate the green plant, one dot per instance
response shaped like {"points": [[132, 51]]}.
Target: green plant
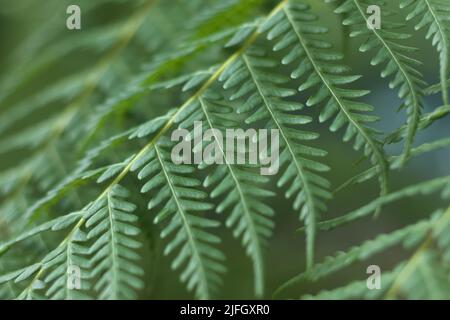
{"points": [[95, 187]]}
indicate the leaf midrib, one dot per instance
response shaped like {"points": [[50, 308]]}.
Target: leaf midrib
{"points": [[112, 230]]}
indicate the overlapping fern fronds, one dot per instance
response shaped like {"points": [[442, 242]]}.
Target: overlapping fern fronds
{"points": [[96, 190], [396, 57]]}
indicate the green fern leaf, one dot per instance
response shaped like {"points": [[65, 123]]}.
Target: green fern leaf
{"points": [[312, 57], [434, 14], [249, 216], [414, 232], [176, 193], [406, 77], [356, 289], [110, 224], [427, 187], [264, 102]]}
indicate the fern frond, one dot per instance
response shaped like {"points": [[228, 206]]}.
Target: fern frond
{"points": [[203, 289], [114, 37], [187, 81], [394, 162], [425, 259], [112, 262], [176, 193], [73, 139], [430, 282], [30, 138], [225, 13], [149, 80], [356, 289], [369, 248], [441, 184], [62, 91], [435, 88], [249, 216], [55, 224], [425, 121], [28, 51], [81, 174], [264, 102], [57, 284], [50, 130], [406, 77], [6, 291], [328, 75], [54, 259], [434, 15], [111, 227]]}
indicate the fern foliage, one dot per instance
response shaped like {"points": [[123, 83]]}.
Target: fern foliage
{"points": [[396, 58], [241, 190], [94, 203], [195, 245], [434, 15], [327, 76], [113, 256], [307, 189]]}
